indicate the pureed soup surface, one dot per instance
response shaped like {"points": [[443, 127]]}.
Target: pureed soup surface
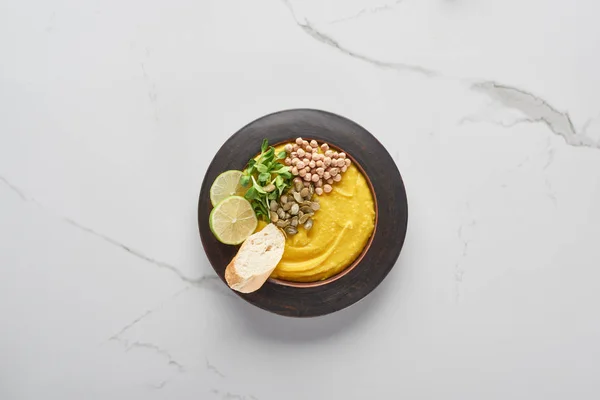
{"points": [[342, 228]]}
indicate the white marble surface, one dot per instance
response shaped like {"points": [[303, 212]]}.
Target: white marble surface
{"points": [[111, 110]]}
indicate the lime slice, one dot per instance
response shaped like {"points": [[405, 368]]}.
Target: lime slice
{"points": [[233, 220], [227, 184]]}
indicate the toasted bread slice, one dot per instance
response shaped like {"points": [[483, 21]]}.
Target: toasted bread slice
{"points": [[256, 259]]}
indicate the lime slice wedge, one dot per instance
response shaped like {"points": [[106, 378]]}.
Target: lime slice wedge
{"points": [[233, 220], [227, 184]]}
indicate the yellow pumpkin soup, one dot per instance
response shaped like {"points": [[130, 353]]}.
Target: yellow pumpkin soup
{"points": [[342, 227]]}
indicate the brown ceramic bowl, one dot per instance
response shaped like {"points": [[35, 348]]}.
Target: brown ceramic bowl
{"points": [[365, 249], [308, 299]]}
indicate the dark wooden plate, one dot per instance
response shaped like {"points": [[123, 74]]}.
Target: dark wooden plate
{"points": [[390, 196]]}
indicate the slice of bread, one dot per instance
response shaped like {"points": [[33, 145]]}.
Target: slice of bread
{"points": [[255, 260]]}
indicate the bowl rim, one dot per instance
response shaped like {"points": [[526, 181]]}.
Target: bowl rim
{"points": [[367, 246]]}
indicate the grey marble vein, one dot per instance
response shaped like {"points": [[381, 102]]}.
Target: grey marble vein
{"points": [[550, 193], [159, 386], [214, 369], [502, 124], [232, 396], [587, 124], [316, 34], [130, 325], [146, 313], [550, 152], [161, 264], [14, 188], [536, 109], [157, 349], [459, 270], [367, 11]]}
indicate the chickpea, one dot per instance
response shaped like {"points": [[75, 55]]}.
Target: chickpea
{"points": [[308, 148], [330, 181], [317, 156], [319, 191], [306, 161], [327, 161], [299, 141], [294, 171], [308, 176], [314, 144], [312, 164], [324, 147], [319, 163], [337, 178], [342, 155], [333, 172], [300, 165], [305, 143], [341, 162], [326, 175], [295, 147], [320, 171], [314, 178], [301, 153], [344, 168], [307, 168], [301, 172], [319, 183], [288, 161], [294, 154], [347, 162], [328, 153], [294, 161], [327, 188], [309, 156], [306, 183], [335, 156], [288, 148]]}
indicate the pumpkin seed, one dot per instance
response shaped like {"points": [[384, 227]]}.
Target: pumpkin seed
{"points": [[294, 210], [315, 206], [290, 230], [283, 199], [282, 224], [304, 218], [273, 206], [274, 216], [300, 214], [307, 210], [299, 186], [308, 224], [269, 188], [304, 192], [281, 213], [294, 221], [297, 197], [287, 206], [287, 216]]}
